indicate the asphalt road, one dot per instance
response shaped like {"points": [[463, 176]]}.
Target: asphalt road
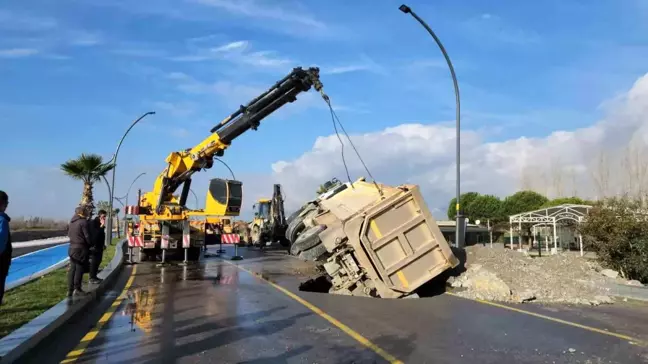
{"points": [[216, 312]]}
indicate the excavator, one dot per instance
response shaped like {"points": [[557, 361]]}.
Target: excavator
{"points": [[269, 224], [164, 219]]}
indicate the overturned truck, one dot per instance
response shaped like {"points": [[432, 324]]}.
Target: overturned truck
{"points": [[370, 239]]}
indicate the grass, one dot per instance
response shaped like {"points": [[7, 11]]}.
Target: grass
{"points": [[23, 304]]}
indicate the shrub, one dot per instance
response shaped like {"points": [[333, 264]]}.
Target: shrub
{"points": [[617, 230]]}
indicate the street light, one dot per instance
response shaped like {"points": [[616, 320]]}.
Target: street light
{"points": [[196, 197], [459, 221], [131, 185], [113, 161]]}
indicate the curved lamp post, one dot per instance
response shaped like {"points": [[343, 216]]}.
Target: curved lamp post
{"points": [[196, 197], [113, 161], [225, 164], [459, 221], [131, 185]]}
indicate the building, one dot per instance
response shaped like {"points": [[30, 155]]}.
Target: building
{"points": [[475, 234]]}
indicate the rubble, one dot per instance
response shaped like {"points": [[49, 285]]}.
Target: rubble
{"points": [[499, 274], [610, 273]]}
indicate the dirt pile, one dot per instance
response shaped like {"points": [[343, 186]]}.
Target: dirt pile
{"points": [[499, 274]]}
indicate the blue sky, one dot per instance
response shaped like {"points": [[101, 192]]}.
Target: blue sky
{"points": [[75, 73]]}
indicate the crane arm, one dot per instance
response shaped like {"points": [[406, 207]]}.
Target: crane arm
{"points": [[182, 164]]}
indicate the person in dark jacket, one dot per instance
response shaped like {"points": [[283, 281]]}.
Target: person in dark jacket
{"points": [[5, 243], [98, 242], [79, 250]]}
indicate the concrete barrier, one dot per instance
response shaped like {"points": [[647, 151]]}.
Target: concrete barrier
{"points": [[17, 344]]}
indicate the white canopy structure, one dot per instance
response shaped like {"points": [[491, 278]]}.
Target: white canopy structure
{"points": [[551, 216]]}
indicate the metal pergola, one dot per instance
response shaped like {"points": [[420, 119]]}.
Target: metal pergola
{"points": [[551, 216]]}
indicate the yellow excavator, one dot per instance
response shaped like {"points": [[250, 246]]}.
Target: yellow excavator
{"points": [[269, 224], [164, 226]]}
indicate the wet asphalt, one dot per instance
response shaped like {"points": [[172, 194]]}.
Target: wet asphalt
{"points": [[214, 312]]}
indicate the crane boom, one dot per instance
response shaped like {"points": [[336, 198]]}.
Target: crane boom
{"points": [[181, 165]]}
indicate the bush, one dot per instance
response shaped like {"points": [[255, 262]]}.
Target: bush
{"points": [[617, 230], [33, 223]]}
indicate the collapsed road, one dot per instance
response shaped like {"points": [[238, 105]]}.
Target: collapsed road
{"points": [[252, 311]]}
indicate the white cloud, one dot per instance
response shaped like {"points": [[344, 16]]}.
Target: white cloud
{"points": [[257, 9], [18, 52], [237, 52], [424, 154], [84, 39]]}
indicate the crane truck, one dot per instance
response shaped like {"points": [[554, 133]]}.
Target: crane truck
{"points": [[163, 218], [368, 239]]}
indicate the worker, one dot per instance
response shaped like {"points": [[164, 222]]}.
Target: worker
{"points": [[79, 250], [5, 243], [97, 247]]}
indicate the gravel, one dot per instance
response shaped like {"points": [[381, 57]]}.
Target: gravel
{"points": [[499, 274]]}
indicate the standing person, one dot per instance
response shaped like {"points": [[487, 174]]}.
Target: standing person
{"points": [[79, 251], [5, 243], [97, 247]]}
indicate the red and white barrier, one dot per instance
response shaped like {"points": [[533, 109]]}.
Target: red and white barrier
{"points": [[230, 238], [135, 241], [132, 210]]}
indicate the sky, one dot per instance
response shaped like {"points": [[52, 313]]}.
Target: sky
{"points": [[549, 90]]}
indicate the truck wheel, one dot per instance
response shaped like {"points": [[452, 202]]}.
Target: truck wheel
{"points": [[297, 226], [308, 238], [256, 235], [295, 214], [313, 253]]}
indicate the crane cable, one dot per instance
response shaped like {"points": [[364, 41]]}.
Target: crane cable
{"points": [[336, 120]]}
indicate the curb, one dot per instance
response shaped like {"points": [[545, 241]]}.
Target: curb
{"points": [[17, 344]]}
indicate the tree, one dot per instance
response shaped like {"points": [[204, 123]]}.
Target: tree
{"points": [[635, 166], [600, 173], [486, 207], [88, 168], [557, 178], [465, 199], [565, 200], [522, 201], [617, 230]]}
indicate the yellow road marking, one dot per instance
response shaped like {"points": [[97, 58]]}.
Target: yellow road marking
{"points": [[347, 330], [564, 322], [75, 354]]}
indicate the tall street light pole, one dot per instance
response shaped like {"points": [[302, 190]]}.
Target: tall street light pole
{"points": [[196, 197], [459, 216], [131, 185], [114, 162]]}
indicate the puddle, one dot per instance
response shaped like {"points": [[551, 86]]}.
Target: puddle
{"points": [[139, 306]]}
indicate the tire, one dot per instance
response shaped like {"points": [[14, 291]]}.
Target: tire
{"points": [[255, 236], [313, 253], [309, 238], [295, 214], [297, 226]]}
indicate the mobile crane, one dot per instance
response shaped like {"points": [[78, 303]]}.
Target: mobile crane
{"points": [[164, 218]]}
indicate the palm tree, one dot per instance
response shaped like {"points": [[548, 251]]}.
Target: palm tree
{"points": [[88, 168]]}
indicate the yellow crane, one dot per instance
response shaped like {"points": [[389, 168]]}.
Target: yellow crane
{"points": [[164, 226]]}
